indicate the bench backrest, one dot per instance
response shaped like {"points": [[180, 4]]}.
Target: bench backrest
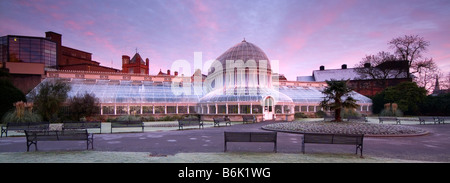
{"points": [[28, 125], [189, 121], [219, 119], [387, 118], [320, 138], [45, 135], [250, 136], [248, 117], [127, 124], [81, 125], [443, 117], [426, 118]]}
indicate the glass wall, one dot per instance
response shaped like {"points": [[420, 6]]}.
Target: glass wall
{"points": [[147, 109], [245, 109], [29, 49], [108, 109], [3, 49]]}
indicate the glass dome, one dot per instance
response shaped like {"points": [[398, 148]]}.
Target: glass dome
{"points": [[243, 65], [244, 51]]}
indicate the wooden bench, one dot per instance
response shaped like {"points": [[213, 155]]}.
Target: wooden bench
{"points": [[357, 118], [33, 136], [82, 125], [424, 119], [127, 124], [322, 138], [442, 119], [217, 121], [250, 137], [248, 119], [382, 119], [190, 122], [21, 126]]}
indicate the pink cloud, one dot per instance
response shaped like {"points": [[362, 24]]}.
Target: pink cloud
{"points": [[73, 25], [89, 33], [300, 29], [204, 15], [374, 34]]}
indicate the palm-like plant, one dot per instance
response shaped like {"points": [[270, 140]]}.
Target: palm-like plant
{"points": [[337, 97]]}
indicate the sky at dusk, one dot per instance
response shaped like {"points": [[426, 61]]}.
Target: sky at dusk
{"points": [[302, 35]]}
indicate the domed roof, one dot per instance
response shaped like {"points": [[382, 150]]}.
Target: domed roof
{"points": [[244, 51]]}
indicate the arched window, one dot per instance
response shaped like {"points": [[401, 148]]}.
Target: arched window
{"points": [[247, 76]]}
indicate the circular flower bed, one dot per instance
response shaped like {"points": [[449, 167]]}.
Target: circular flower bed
{"points": [[346, 128]]}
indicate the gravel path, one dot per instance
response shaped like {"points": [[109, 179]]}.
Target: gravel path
{"points": [[346, 128]]}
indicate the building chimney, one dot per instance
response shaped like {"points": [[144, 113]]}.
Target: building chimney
{"points": [[322, 67], [58, 39], [168, 72], [147, 62], [175, 73], [125, 59], [367, 65], [344, 66]]}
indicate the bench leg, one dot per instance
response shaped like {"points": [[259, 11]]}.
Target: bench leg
{"points": [[4, 132], [225, 147], [275, 147], [360, 147], [303, 145], [29, 143], [90, 140]]}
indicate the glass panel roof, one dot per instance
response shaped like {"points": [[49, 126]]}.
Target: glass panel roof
{"points": [[118, 91], [244, 94], [313, 95], [128, 92]]}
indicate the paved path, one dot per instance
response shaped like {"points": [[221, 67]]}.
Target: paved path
{"points": [[432, 147]]}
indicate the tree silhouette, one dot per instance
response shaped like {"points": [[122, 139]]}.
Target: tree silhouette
{"points": [[337, 97]]}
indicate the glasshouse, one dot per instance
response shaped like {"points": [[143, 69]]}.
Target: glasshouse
{"points": [[240, 82]]}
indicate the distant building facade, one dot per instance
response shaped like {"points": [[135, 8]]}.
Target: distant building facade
{"points": [[437, 90], [74, 59], [136, 65], [27, 58], [363, 85]]}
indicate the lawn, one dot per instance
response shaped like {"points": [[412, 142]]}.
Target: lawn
{"points": [[143, 157]]}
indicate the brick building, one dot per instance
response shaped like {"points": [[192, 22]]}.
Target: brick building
{"points": [[364, 85], [136, 65], [27, 58], [74, 59]]}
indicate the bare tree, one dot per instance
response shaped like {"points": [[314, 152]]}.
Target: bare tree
{"points": [[446, 81], [426, 73], [380, 67], [409, 48]]}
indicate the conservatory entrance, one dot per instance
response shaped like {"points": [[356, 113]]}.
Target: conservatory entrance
{"points": [[268, 108]]}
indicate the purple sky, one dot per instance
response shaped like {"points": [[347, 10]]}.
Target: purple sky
{"points": [[302, 35]]}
